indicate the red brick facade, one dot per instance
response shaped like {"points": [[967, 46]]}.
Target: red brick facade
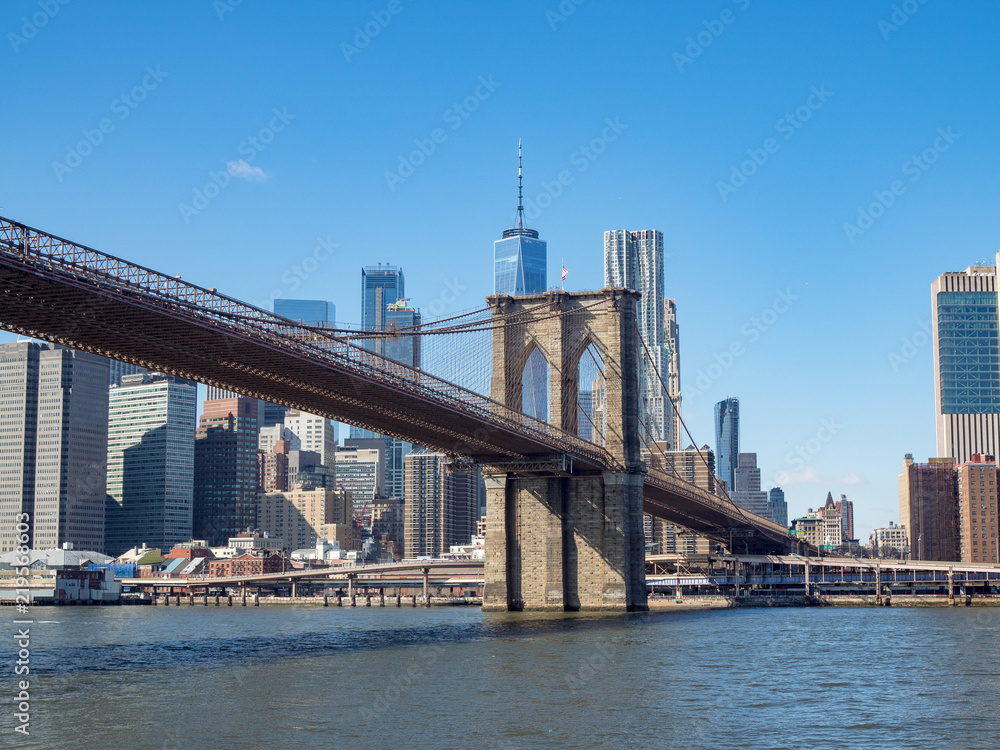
{"points": [[245, 565]]}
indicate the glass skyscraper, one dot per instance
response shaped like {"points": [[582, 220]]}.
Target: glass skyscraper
{"points": [[519, 263], [966, 362], [404, 348], [519, 257], [727, 440], [53, 445], [381, 286], [777, 508], [384, 308], [747, 493], [151, 426], [310, 312]]}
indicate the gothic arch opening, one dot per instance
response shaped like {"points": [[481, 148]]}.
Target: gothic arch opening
{"points": [[592, 393], [535, 385]]}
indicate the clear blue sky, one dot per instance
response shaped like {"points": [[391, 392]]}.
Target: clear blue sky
{"points": [[687, 109]]}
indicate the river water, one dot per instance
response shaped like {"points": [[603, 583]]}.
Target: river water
{"points": [[297, 677]]}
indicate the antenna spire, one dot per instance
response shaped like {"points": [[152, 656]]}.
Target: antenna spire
{"points": [[520, 229], [520, 202]]}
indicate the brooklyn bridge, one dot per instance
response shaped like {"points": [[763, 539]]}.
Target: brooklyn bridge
{"points": [[565, 495]]}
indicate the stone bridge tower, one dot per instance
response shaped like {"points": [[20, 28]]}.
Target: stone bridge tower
{"points": [[559, 538]]}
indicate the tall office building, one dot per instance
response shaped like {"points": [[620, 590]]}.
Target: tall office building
{"points": [[977, 506], [358, 472], [672, 345], [314, 432], [519, 257], [388, 520], [727, 440], [845, 508], [53, 446], [440, 507], [966, 363], [269, 436], [151, 425], [383, 308], [396, 451], [117, 370], [400, 319], [634, 260], [300, 516], [214, 393], [284, 465], [381, 286], [376, 449], [747, 492], [928, 501], [520, 267], [225, 469], [777, 508], [310, 312], [272, 415], [272, 467]]}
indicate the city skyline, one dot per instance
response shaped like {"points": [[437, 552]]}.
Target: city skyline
{"points": [[483, 503], [299, 213]]}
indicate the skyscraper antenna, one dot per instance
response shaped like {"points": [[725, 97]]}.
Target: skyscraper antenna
{"points": [[520, 202], [520, 229]]}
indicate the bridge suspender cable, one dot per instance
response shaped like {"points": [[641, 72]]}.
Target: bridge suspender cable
{"points": [[718, 481]]}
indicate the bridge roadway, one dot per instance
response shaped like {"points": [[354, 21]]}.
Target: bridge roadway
{"points": [[58, 291]]}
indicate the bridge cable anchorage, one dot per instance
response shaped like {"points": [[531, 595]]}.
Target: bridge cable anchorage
{"points": [[666, 392]]}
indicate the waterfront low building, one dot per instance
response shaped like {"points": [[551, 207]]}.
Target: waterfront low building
{"points": [[57, 576], [247, 564]]}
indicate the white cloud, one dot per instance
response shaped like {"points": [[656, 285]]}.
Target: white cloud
{"points": [[852, 478], [245, 171]]}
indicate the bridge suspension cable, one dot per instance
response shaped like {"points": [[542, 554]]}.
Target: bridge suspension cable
{"points": [[719, 484]]}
